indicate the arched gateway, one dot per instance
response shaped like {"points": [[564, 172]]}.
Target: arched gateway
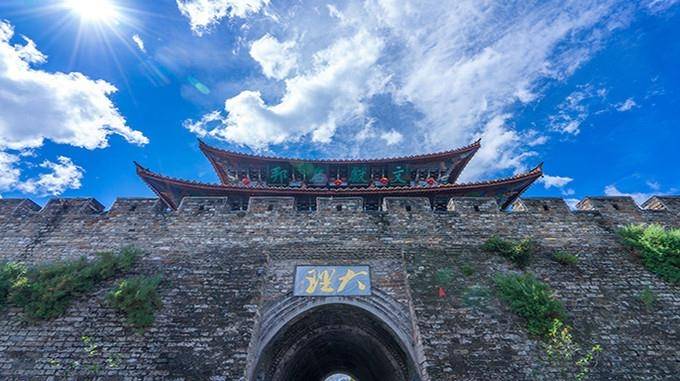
{"points": [[367, 337]]}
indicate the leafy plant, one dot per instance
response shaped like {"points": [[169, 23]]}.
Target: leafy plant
{"points": [[138, 298], [443, 277], [96, 361], [10, 274], [565, 354], [648, 298], [531, 299], [475, 296], [519, 252], [565, 258], [46, 291], [659, 249], [91, 348], [467, 269]]}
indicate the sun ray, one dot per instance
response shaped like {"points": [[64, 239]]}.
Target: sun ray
{"points": [[119, 66], [76, 46], [100, 24]]}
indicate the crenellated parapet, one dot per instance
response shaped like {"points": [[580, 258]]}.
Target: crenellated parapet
{"points": [[473, 205], [608, 204], [663, 203], [614, 208], [136, 206], [541, 205], [339, 204], [71, 206], [70, 226], [196, 205], [14, 207]]}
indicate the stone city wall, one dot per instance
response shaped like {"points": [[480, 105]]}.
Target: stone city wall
{"points": [[228, 272]]}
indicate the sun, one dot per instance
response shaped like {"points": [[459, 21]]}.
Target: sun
{"points": [[95, 11]]}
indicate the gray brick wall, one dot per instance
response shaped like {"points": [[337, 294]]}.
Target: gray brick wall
{"points": [[225, 270]]}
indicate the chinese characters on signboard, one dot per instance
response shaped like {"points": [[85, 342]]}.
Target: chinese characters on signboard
{"points": [[278, 174], [332, 281], [358, 175]]}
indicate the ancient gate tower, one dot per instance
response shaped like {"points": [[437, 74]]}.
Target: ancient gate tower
{"points": [[297, 269]]}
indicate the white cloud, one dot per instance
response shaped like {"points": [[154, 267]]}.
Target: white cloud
{"points": [[62, 175], [639, 197], [36, 105], [139, 42], [28, 52], [575, 109], [501, 149], [369, 131], [653, 185], [534, 138], [555, 181], [315, 102], [462, 67], [656, 6], [334, 12], [627, 105], [203, 14], [366, 132], [471, 60], [277, 59], [201, 127], [391, 137], [9, 174], [65, 108]]}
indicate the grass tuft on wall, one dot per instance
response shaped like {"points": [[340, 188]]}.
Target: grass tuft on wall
{"points": [[531, 299], [518, 252], [564, 258]]}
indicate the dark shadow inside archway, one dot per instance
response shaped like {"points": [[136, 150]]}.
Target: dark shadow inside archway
{"points": [[335, 338]]}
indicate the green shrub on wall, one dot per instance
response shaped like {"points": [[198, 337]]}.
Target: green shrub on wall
{"points": [[531, 299], [10, 274], [565, 258], [659, 249], [138, 298], [46, 291], [467, 269], [519, 252], [534, 301]]}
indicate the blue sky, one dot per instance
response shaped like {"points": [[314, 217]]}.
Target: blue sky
{"points": [[589, 87]]}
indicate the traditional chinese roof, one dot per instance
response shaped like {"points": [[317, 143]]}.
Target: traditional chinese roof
{"points": [[217, 152], [172, 190], [454, 160]]}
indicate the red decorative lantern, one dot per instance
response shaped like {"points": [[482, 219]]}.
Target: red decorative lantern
{"points": [[430, 181], [384, 180], [337, 182], [245, 181]]}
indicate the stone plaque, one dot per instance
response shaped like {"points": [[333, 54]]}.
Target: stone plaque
{"points": [[332, 280]]}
